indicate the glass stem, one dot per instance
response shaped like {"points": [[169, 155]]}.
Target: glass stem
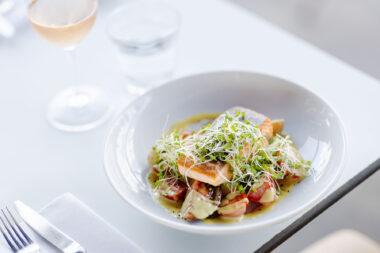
{"points": [[72, 55], [78, 97]]}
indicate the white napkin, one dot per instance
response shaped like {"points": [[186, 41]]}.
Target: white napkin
{"points": [[84, 226], [4, 249]]}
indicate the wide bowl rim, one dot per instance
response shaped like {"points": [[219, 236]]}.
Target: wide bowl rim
{"points": [[237, 228]]}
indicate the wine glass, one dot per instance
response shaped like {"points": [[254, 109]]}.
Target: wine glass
{"points": [[65, 23]]}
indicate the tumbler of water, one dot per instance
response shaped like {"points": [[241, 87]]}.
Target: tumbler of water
{"points": [[145, 34]]}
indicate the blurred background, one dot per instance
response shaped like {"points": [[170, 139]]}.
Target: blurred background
{"points": [[349, 30]]}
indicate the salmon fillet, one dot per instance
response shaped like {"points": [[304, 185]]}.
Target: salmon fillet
{"points": [[217, 173], [257, 119], [213, 173], [266, 128]]}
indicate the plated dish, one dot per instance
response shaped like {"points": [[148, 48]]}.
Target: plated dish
{"points": [[313, 125], [234, 165]]}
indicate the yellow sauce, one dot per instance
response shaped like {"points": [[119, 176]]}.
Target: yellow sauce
{"points": [[184, 124], [174, 207]]}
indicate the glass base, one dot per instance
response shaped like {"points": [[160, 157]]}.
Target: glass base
{"points": [[78, 109]]}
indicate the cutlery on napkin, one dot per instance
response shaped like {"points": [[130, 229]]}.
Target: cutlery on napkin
{"points": [[82, 224]]}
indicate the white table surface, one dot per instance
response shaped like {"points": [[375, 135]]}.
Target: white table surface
{"points": [[38, 162]]}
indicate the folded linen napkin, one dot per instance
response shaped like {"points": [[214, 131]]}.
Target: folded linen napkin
{"points": [[84, 226]]}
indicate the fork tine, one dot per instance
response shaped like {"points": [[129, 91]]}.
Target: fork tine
{"points": [[14, 229], [30, 241], [7, 239], [10, 234]]}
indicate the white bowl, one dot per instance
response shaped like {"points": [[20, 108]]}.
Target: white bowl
{"points": [[313, 124]]}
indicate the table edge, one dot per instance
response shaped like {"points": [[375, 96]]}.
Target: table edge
{"points": [[314, 212]]}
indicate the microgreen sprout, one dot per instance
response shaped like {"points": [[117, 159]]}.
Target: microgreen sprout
{"points": [[234, 140]]}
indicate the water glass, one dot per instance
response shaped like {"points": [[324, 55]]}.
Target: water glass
{"points": [[145, 34]]}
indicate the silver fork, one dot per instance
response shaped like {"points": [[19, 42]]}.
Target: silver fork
{"points": [[15, 236]]}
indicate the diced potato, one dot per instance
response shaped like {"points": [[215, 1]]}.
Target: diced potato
{"points": [[172, 189], [233, 205], [263, 191]]}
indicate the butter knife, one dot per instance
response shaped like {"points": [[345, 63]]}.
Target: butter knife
{"points": [[47, 230]]}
